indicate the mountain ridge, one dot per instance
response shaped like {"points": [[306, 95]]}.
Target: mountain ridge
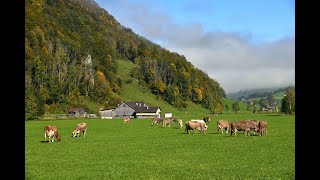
{"points": [[256, 92]]}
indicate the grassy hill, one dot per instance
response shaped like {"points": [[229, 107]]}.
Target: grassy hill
{"points": [[132, 91], [243, 106]]}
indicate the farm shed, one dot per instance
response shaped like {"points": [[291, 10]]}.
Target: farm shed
{"points": [[106, 114], [77, 112], [168, 115]]}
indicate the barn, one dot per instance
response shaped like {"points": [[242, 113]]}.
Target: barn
{"points": [[137, 109]]}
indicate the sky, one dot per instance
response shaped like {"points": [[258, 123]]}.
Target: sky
{"points": [[241, 44]]}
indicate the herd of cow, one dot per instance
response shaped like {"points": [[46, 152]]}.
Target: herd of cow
{"points": [[259, 127], [201, 125]]}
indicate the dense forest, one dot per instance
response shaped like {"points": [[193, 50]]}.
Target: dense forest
{"points": [[71, 53]]}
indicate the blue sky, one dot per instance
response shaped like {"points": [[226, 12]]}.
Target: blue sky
{"points": [[237, 42]]}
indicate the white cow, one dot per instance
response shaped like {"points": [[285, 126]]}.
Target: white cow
{"points": [[180, 123]]}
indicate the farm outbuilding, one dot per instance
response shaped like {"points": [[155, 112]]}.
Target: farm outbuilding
{"points": [[168, 115], [77, 112], [106, 114]]}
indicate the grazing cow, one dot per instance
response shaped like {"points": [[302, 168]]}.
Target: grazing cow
{"points": [[156, 121], [207, 120], [253, 125], [239, 126], [180, 123], [263, 127], [51, 132], [195, 125], [127, 120], [80, 128], [244, 125], [167, 122], [223, 124], [173, 118], [205, 126]]}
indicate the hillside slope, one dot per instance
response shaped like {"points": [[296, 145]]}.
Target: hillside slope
{"points": [[133, 91], [72, 50]]}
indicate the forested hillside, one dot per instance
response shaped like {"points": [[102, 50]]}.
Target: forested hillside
{"points": [[71, 53], [258, 93]]}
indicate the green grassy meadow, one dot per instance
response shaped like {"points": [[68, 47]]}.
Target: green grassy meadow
{"points": [[114, 150]]}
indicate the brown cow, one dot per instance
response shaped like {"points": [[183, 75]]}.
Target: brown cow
{"points": [[173, 119], [167, 122], [239, 126], [80, 128], [155, 120], [51, 132], [263, 127], [244, 125], [127, 120], [223, 124], [195, 125], [253, 125], [205, 126]]}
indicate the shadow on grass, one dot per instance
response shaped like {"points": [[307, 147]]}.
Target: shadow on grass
{"points": [[213, 133], [43, 141], [273, 115]]}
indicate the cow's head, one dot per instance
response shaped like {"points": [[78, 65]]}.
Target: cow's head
{"points": [[75, 133], [58, 137]]}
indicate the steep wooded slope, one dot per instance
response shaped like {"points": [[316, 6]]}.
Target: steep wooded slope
{"points": [[71, 53]]}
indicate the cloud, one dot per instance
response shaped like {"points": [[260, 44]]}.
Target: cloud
{"points": [[230, 58]]}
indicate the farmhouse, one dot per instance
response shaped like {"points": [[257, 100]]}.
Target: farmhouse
{"points": [[77, 112], [138, 109]]}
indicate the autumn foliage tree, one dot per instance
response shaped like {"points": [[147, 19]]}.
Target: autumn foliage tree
{"points": [[288, 102]]}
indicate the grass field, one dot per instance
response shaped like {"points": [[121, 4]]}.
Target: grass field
{"points": [[114, 150]]}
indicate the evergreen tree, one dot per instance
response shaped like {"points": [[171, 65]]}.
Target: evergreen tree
{"points": [[227, 107], [235, 107]]}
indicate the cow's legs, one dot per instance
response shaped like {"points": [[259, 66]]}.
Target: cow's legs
{"points": [[84, 134]]}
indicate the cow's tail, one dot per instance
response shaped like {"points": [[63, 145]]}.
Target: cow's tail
{"points": [[260, 128]]}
